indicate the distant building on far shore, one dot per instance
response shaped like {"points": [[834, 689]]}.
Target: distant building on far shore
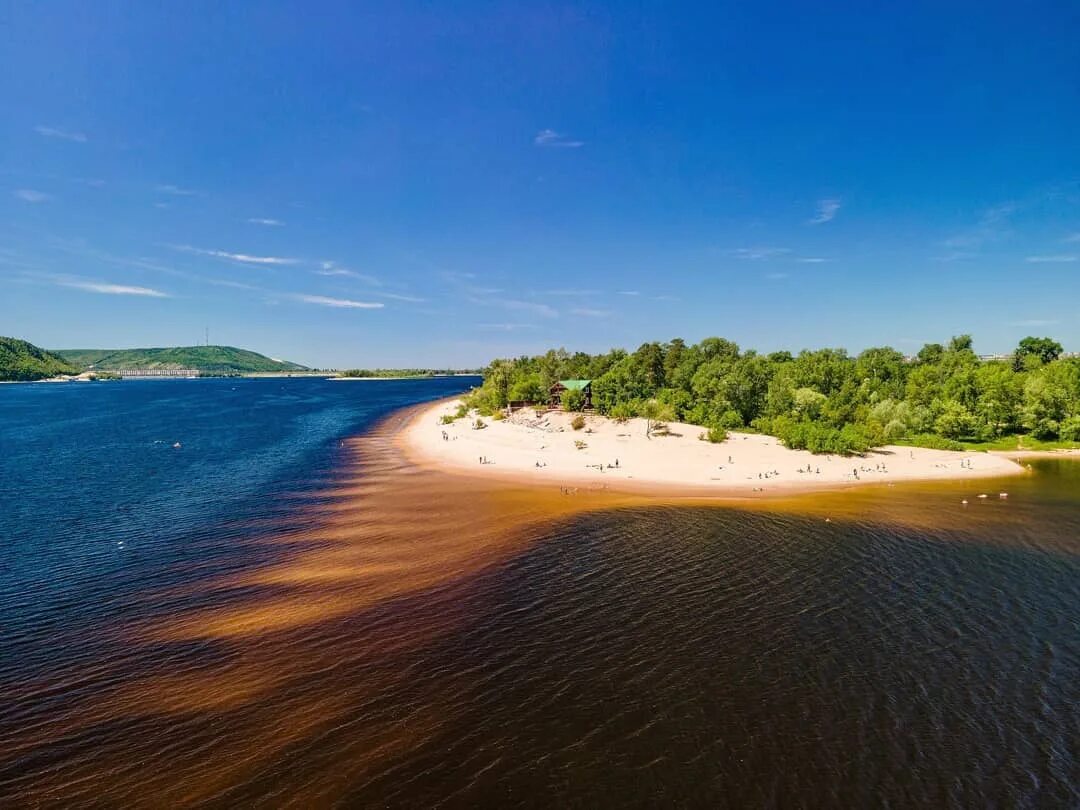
{"points": [[137, 373]]}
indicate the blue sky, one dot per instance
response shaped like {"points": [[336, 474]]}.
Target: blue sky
{"points": [[437, 183]]}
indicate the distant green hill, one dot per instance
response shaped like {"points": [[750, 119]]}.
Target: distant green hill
{"points": [[207, 359], [20, 360]]}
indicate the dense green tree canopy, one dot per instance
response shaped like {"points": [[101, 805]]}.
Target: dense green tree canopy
{"points": [[1043, 350], [825, 399], [20, 360]]}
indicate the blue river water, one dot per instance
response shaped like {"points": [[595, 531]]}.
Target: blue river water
{"points": [[392, 638], [94, 495]]}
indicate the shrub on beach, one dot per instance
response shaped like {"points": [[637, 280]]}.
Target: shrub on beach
{"points": [[1070, 429], [934, 442], [579, 444], [578, 422], [498, 416], [447, 419], [715, 435], [479, 424], [573, 400], [817, 437]]}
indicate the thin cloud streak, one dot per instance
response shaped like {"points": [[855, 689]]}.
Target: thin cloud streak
{"points": [[31, 196], [542, 310], [113, 289], [169, 188], [993, 225], [332, 269], [1050, 259], [551, 138], [243, 258], [408, 299], [62, 134], [505, 327], [270, 223], [1035, 322], [586, 312], [337, 303], [759, 253], [826, 211]]}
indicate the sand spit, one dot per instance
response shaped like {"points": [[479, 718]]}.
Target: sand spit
{"points": [[546, 450]]}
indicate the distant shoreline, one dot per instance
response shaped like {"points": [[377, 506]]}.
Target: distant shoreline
{"points": [[252, 375], [619, 457]]}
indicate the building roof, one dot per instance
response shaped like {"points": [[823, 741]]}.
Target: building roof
{"points": [[575, 385]]}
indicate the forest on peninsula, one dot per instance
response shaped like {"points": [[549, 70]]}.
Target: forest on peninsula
{"points": [[823, 400]]}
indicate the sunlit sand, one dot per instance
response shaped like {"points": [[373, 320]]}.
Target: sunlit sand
{"points": [[546, 450]]}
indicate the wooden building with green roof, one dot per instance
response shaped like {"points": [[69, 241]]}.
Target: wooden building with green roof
{"points": [[557, 390]]}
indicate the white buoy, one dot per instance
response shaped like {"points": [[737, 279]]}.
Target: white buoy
{"points": [[964, 502], [1003, 495], [983, 496]]}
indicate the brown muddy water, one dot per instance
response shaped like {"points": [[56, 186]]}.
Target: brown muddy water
{"points": [[407, 638]]}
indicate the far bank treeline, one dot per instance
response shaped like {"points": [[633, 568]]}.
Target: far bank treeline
{"points": [[824, 400], [21, 361]]}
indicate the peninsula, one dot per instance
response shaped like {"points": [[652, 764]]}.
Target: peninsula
{"points": [[559, 449], [713, 416]]}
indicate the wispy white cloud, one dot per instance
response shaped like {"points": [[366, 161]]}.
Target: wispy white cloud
{"points": [[956, 256], [1072, 237], [270, 223], [112, 289], [243, 258], [666, 298], [826, 211], [153, 265], [549, 137], [31, 196], [505, 327], [338, 303], [333, 269], [759, 253], [1059, 259], [409, 299], [543, 310], [169, 188], [224, 282], [811, 260], [588, 312], [993, 225], [63, 134], [629, 292], [776, 276], [1035, 322], [569, 292], [456, 276]]}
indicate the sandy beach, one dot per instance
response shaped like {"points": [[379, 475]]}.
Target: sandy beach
{"points": [[546, 450]]}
